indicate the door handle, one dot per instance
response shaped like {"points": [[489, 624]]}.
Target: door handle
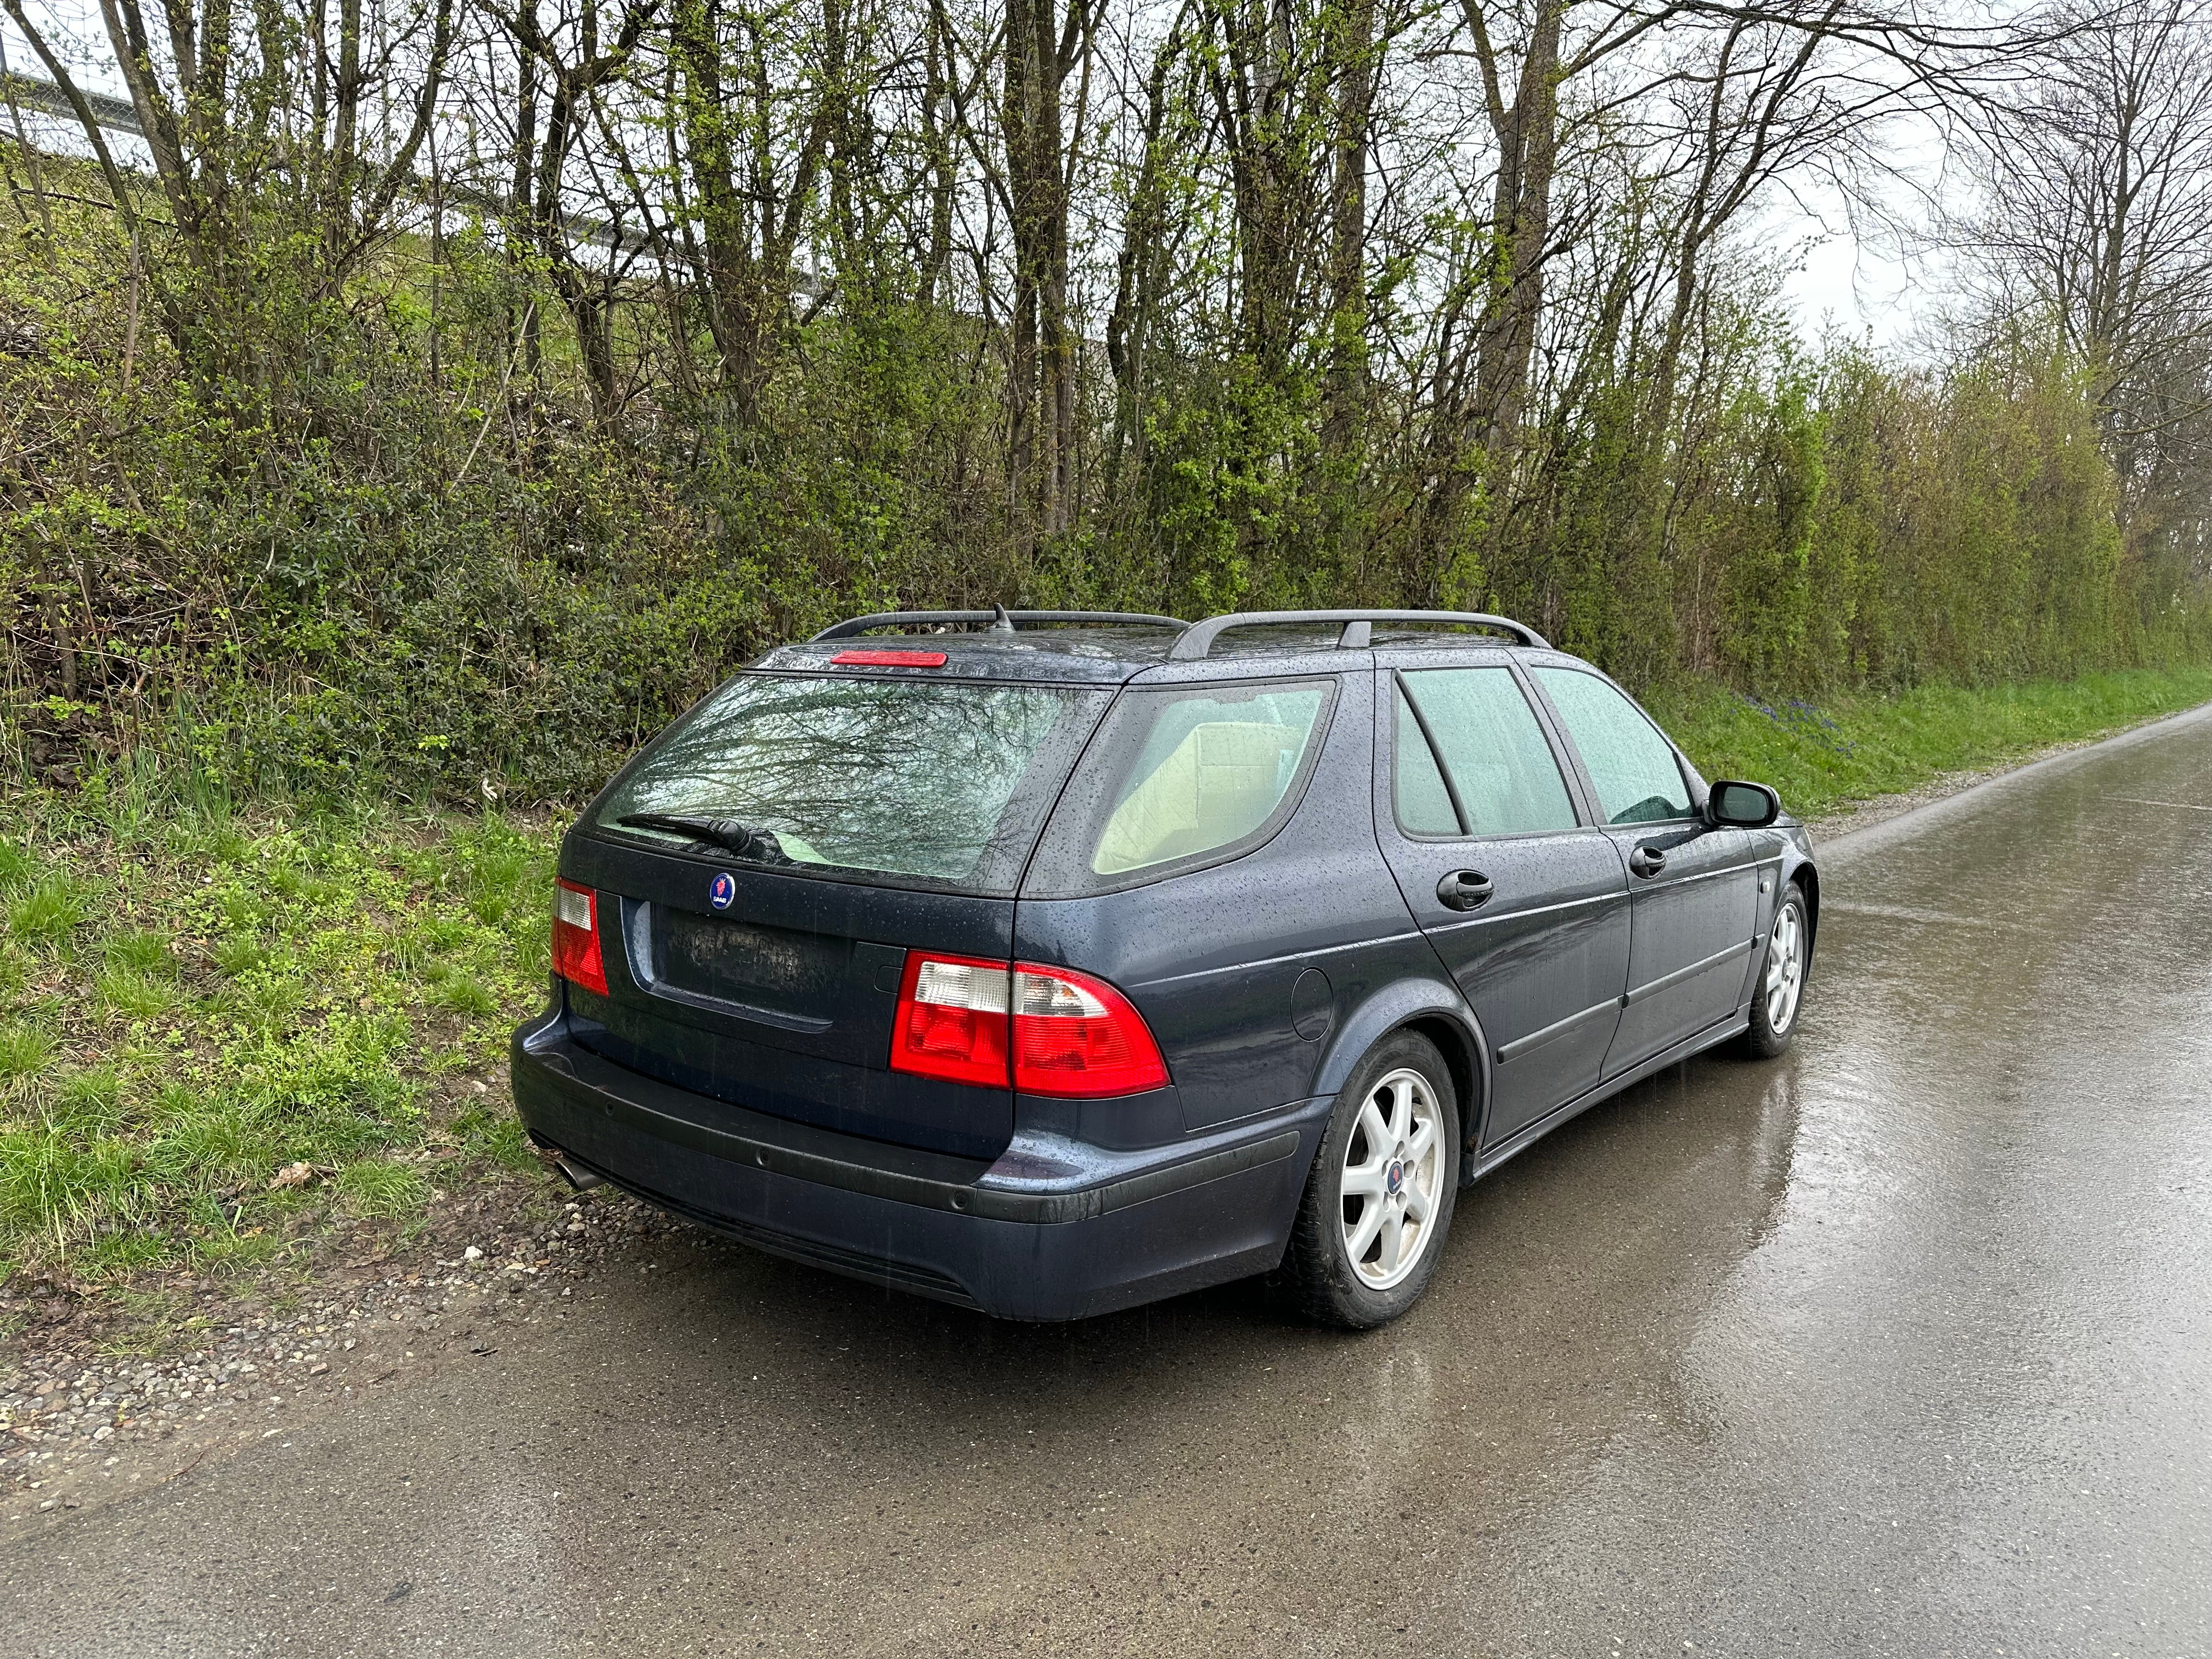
{"points": [[1647, 861], [1463, 890]]}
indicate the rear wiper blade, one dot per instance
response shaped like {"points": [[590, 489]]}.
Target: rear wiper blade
{"points": [[761, 846]]}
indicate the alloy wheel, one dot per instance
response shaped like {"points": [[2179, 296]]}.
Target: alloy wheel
{"points": [[1785, 968], [1393, 1179]]}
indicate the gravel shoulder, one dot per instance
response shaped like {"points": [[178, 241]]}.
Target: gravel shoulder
{"points": [[1864, 815], [97, 1403]]}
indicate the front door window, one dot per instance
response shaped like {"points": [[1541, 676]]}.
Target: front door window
{"points": [[1630, 764]]}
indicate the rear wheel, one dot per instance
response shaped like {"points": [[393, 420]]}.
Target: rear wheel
{"points": [[1779, 991], [1378, 1203]]}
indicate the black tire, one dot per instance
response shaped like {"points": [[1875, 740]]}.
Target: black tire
{"points": [[1765, 1040], [1318, 1278]]}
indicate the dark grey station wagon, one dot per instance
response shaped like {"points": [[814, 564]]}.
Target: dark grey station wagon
{"points": [[1049, 963]]}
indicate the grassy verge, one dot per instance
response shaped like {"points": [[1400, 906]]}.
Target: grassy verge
{"points": [[224, 1038], [1822, 759]]}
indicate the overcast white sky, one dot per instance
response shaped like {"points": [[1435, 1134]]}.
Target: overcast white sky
{"points": [[1853, 289]]}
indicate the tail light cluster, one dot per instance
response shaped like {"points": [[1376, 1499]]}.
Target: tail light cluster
{"points": [[576, 937], [1045, 1031]]}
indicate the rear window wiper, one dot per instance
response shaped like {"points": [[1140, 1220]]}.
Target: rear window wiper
{"points": [[761, 846]]}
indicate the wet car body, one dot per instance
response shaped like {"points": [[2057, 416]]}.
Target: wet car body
{"points": [[737, 1071]]}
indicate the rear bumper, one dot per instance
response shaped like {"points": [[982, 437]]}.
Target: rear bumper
{"points": [[1051, 1229]]}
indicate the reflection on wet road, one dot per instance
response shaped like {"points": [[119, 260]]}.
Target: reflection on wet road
{"points": [[1901, 1344]]}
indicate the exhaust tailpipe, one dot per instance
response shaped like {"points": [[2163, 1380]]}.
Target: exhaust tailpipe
{"points": [[574, 1174]]}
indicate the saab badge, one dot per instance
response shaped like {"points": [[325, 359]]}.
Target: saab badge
{"points": [[722, 892]]}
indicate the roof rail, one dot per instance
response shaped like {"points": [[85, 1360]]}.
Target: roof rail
{"points": [[1001, 620], [1198, 639]]}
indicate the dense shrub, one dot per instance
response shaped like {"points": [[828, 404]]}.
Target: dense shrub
{"points": [[379, 545]]}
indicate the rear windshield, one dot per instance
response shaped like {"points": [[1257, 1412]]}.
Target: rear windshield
{"points": [[934, 782]]}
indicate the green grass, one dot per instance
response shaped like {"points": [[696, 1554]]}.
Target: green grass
{"points": [[48, 914], [24, 1051], [191, 1000], [374, 1186], [1822, 758]]}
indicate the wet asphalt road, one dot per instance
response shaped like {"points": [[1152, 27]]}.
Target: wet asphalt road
{"points": [[1901, 1344]]}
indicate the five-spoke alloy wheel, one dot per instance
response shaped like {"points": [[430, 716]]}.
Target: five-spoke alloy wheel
{"points": [[1393, 1172], [1786, 969]]}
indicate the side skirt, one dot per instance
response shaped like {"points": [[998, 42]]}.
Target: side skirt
{"points": [[1477, 1166]]}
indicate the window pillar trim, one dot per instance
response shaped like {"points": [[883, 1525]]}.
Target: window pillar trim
{"points": [[1435, 750]]}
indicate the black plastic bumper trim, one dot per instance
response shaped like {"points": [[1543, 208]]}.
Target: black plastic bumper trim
{"points": [[855, 1264], [773, 1149], [1669, 982], [1558, 1028]]}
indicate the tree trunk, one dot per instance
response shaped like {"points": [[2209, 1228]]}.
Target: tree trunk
{"points": [[1528, 143], [1043, 50], [1347, 275], [1140, 270]]}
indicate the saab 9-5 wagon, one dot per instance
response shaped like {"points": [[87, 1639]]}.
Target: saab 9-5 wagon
{"points": [[1049, 963]]}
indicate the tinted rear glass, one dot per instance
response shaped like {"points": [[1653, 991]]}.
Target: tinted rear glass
{"points": [[938, 783], [1211, 769], [1180, 777], [1507, 784]]}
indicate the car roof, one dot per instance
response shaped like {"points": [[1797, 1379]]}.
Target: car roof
{"points": [[1109, 649], [1094, 656]]}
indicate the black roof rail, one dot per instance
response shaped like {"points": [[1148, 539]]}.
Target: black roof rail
{"points": [[1001, 620], [1197, 640]]}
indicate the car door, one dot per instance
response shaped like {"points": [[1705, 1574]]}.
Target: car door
{"points": [[1525, 903], [1692, 890]]}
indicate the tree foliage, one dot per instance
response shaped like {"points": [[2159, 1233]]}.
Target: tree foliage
{"points": [[438, 394]]}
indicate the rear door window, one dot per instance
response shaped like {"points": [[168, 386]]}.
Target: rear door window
{"points": [[1632, 768], [1182, 777], [936, 783], [1503, 778]]}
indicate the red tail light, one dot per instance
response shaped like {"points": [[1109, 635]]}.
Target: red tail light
{"points": [[576, 937], [1074, 1035], [953, 1019], [892, 659], [1045, 1031]]}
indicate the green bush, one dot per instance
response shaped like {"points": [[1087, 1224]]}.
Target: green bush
{"points": [[395, 598]]}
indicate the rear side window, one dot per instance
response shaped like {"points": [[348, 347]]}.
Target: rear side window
{"points": [[938, 783], [1632, 767], [1177, 778], [1503, 778]]}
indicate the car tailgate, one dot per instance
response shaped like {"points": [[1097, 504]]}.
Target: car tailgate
{"points": [[783, 1001]]}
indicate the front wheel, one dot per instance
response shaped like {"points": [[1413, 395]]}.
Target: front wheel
{"points": [[1378, 1203], [1780, 990]]}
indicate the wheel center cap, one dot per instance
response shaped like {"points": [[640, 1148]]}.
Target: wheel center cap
{"points": [[1395, 1177]]}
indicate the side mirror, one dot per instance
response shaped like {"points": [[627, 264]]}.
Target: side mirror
{"points": [[1735, 805]]}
